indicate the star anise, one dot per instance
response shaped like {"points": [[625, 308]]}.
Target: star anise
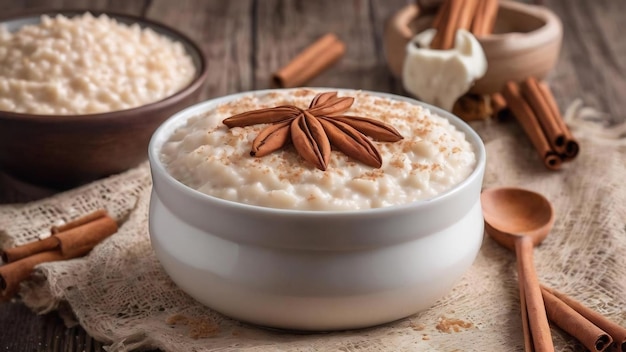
{"points": [[312, 131]]}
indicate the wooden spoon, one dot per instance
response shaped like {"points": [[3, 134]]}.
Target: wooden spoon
{"points": [[519, 219]]}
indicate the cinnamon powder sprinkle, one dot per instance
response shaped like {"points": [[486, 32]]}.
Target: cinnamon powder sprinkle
{"points": [[435, 167], [371, 175], [420, 166], [397, 162], [198, 328], [219, 163]]}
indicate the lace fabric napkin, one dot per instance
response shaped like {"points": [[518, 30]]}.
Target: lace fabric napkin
{"points": [[120, 294]]}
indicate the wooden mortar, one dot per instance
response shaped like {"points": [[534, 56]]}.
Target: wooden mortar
{"points": [[526, 42]]}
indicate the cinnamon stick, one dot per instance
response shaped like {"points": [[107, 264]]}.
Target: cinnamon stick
{"points": [[446, 31], [72, 242], [310, 62], [468, 11], [498, 104], [13, 273], [572, 322], [441, 15], [537, 317], [527, 119], [491, 15], [528, 339], [485, 19], [479, 19], [571, 145], [10, 255], [73, 239], [477, 16], [617, 332], [546, 117], [6, 297], [80, 221]]}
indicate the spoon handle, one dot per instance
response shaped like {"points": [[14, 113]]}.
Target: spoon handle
{"points": [[541, 336], [528, 340]]}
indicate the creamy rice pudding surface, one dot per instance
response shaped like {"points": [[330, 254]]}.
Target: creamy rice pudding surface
{"points": [[86, 64], [206, 155]]}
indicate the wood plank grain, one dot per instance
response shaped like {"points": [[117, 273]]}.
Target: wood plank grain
{"points": [[135, 7], [223, 29], [21, 330], [380, 12], [284, 28], [592, 65]]}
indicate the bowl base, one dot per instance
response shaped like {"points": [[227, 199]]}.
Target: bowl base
{"points": [[299, 291]]}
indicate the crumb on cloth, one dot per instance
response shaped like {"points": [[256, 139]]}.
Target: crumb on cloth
{"points": [[449, 325], [417, 326]]}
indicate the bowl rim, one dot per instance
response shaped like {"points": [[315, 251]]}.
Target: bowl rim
{"points": [[196, 82], [168, 127]]}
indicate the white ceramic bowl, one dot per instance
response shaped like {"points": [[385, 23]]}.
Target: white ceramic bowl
{"points": [[313, 270]]}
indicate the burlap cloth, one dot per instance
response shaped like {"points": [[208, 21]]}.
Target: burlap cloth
{"points": [[121, 296]]}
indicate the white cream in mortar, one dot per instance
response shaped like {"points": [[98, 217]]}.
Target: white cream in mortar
{"points": [[433, 157], [440, 77]]}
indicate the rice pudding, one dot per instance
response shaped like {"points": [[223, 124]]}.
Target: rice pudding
{"points": [[87, 65], [206, 155]]}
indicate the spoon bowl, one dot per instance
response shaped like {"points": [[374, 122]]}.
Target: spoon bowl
{"points": [[513, 212]]}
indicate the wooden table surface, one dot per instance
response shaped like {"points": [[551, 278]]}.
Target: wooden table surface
{"points": [[246, 40]]}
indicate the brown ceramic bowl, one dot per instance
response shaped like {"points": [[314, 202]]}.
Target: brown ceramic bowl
{"points": [[526, 41], [59, 152]]}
